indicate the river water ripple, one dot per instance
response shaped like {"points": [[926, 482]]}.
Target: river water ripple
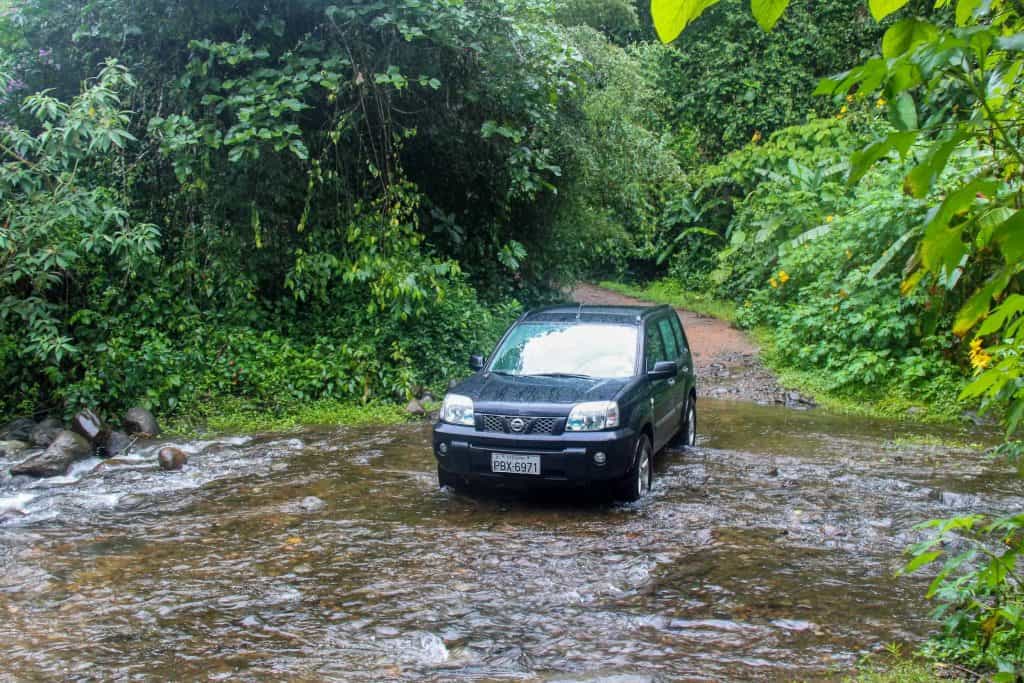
{"points": [[329, 553]]}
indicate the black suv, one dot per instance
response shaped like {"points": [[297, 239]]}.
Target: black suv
{"points": [[573, 394]]}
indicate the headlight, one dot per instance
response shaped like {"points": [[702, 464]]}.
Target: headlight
{"points": [[457, 410], [590, 417]]}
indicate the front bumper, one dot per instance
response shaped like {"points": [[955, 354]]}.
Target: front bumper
{"points": [[566, 458]]}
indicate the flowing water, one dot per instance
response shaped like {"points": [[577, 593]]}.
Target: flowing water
{"points": [[765, 553]]}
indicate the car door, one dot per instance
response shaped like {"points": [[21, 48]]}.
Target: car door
{"points": [[679, 388], [687, 364], [661, 390]]}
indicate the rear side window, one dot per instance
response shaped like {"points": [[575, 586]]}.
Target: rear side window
{"points": [[671, 347], [654, 346], [684, 345]]}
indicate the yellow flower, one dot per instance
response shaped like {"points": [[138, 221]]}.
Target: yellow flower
{"points": [[849, 98], [783, 277], [756, 137], [843, 109], [880, 102], [980, 359], [829, 218], [774, 283]]}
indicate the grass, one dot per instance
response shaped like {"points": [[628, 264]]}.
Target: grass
{"points": [[668, 292], [905, 671], [231, 415], [886, 402]]}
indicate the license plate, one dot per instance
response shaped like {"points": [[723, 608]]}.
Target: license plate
{"points": [[507, 463]]}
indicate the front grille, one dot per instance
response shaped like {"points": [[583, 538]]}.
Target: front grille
{"points": [[531, 425]]}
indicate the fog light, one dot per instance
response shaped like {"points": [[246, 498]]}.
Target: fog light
{"points": [[443, 448], [599, 458]]}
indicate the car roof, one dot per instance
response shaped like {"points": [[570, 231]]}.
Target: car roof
{"points": [[619, 315]]}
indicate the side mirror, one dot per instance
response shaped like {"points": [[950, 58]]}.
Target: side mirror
{"points": [[664, 369], [476, 363]]}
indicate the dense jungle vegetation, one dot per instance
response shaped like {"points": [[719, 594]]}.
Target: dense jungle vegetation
{"points": [[251, 206]]}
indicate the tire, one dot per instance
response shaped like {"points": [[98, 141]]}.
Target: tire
{"points": [[637, 482], [447, 479], [688, 435]]}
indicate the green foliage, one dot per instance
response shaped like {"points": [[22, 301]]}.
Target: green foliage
{"points": [[719, 89], [979, 594], [302, 203], [62, 214]]}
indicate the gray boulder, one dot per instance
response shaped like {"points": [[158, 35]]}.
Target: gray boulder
{"points": [[117, 444], [11, 448], [88, 424], [140, 421], [171, 458], [45, 432], [17, 430], [55, 460], [415, 408]]}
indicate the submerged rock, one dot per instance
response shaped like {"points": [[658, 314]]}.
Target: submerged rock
{"points": [[55, 460], [10, 515], [18, 430], [139, 421], [11, 448], [312, 504], [171, 458], [45, 432]]}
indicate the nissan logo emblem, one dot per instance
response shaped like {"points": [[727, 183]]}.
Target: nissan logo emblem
{"points": [[516, 425]]}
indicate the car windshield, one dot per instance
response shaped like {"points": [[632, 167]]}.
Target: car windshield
{"points": [[591, 350]]}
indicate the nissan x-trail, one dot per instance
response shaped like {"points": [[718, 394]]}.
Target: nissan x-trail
{"points": [[575, 395]]}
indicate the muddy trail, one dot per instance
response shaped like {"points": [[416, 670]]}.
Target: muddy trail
{"points": [[765, 553], [727, 361]]}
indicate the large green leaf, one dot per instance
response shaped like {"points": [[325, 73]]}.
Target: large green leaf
{"points": [[1010, 238], [1011, 307], [903, 112], [977, 306], [943, 247], [923, 176], [672, 16], [905, 34], [965, 10], [768, 12], [863, 159], [880, 9]]}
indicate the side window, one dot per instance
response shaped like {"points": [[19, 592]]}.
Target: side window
{"points": [[684, 345], [654, 347], [671, 347]]}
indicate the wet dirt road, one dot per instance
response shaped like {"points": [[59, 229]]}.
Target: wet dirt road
{"points": [[766, 553]]}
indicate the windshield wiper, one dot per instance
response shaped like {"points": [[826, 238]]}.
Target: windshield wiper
{"points": [[561, 374]]}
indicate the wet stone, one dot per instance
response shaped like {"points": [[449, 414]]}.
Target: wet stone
{"points": [[46, 431], [18, 430], [88, 425], [140, 421], [414, 407], [9, 449], [171, 458], [118, 444], [312, 504], [55, 460]]}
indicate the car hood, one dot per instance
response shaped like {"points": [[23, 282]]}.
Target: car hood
{"points": [[503, 394]]}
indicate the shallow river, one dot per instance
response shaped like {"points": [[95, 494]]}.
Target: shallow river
{"points": [[765, 553]]}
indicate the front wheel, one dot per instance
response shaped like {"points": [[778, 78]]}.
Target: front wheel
{"points": [[690, 424], [637, 483]]}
